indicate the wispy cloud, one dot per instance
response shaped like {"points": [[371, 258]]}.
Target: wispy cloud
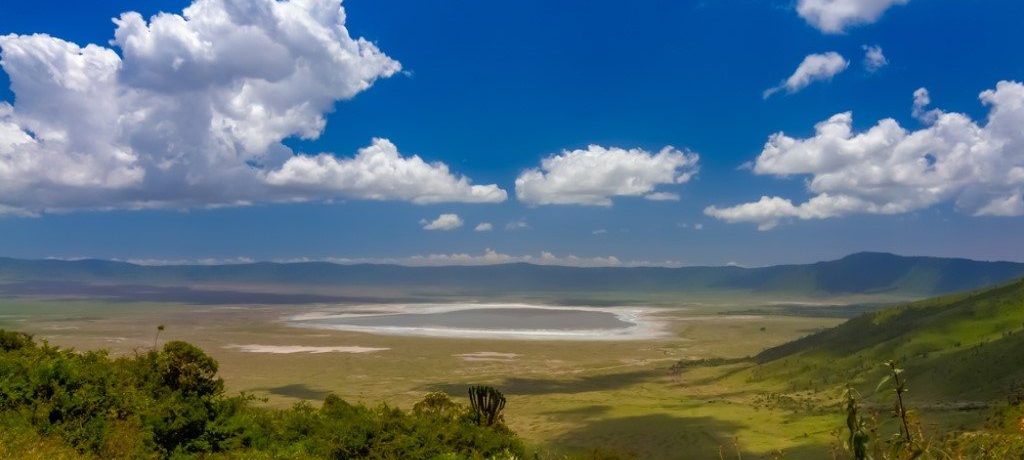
{"points": [[517, 225], [488, 257], [814, 67], [874, 58]]}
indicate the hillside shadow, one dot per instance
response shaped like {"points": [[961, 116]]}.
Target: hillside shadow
{"points": [[685, 380], [664, 436], [983, 371], [542, 386], [650, 436], [299, 391]]}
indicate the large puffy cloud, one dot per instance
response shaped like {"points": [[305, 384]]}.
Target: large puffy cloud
{"points": [[834, 16], [379, 172], [192, 112], [63, 135], [890, 170], [594, 175], [814, 67]]}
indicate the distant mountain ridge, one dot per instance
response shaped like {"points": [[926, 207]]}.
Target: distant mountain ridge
{"points": [[860, 273]]}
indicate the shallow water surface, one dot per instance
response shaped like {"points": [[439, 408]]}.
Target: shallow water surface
{"points": [[494, 319], [491, 320]]}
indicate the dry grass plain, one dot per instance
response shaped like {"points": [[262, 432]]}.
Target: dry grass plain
{"points": [[564, 396]]}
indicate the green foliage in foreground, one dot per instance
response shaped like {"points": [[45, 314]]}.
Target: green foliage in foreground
{"points": [[1001, 437], [59, 403]]}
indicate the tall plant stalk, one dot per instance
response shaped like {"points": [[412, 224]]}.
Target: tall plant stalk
{"points": [[156, 338], [858, 440], [901, 409]]}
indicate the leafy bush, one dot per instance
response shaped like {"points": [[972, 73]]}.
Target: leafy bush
{"points": [[170, 403], [10, 341]]}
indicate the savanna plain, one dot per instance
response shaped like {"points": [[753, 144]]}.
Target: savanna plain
{"points": [[565, 396]]}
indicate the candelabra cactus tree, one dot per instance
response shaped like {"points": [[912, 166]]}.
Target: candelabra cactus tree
{"points": [[487, 404]]}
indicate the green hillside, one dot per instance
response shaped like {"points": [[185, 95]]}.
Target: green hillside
{"points": [[959, 349]]}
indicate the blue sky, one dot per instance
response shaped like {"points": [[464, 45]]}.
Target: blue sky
{"points": [[491, 89]]}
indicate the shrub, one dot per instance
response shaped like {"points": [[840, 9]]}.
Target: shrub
{"points": [[11, 341], [171, 403], [185, 368]]}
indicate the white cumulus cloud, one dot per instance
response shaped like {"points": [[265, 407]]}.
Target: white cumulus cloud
{"points": [[979, 167], [380, 172], [814, 67], [874, 58], [594, 175], [484, 227], [191, 109], [444, 222], [835, 16]]}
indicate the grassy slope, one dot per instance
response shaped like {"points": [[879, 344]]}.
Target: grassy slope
{"points": [[957, 348]]}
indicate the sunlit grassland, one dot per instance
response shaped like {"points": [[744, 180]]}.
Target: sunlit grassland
{"points": [[563, 395]]}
